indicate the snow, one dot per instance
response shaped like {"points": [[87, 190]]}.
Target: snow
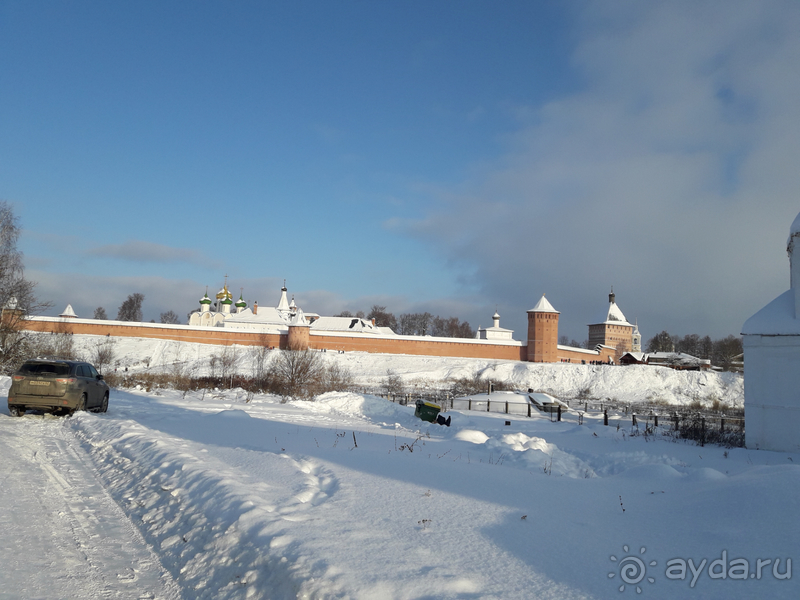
{"points": [[776, 318], [543, 305], [219, 495]]}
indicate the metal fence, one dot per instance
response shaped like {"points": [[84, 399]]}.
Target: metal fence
{"points": [[723, 427]]}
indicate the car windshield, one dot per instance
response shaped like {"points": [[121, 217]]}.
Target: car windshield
{"points": [[45, 368]]}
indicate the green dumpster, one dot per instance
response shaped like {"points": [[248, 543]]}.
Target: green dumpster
{"points": [[427, 411]]}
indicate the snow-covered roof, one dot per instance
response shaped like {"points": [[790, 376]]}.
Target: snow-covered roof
{"points": [[614, 316], [543, 306], [266, 316], [676, 357], [352, 324], [68, 312], [283, 304], [776, 318], [299, 319]]}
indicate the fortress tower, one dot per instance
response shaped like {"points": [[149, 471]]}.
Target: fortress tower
{"points": [[613, 330], [543, 332]]}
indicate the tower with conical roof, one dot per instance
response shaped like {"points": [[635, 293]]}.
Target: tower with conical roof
{"points": [[612, 329], [543, 332], [283, 303]]}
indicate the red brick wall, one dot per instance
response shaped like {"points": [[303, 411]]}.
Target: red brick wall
{"points": [[575, 357], [221, 336]]}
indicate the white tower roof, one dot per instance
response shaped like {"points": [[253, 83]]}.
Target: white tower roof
{"points": [[543, 306], [68, 312]]}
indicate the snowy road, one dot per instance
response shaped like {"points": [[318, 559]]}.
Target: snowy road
{"points": [[223, 496], [63, 535]]}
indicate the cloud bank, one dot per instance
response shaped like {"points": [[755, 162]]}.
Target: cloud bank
{"points": [[671, 174]]}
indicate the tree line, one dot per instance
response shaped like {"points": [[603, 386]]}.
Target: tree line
{"points": [[131, 310], [415, 323], [721, 352]]}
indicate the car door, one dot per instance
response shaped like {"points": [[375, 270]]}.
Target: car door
{"points": [[88, 384], [99, 385]]}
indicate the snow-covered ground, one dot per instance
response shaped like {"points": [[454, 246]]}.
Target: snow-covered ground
{"points": [[211, 496], [421, 373]]}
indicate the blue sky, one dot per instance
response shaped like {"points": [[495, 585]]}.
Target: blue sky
{"points": [[454, 157]]}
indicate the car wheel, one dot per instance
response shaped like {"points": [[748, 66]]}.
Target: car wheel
{"points": [[104, 405], [81, 404], [16, 411]]}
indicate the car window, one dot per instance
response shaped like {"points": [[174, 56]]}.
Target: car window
{"points": [[45, 368], [92, 371], [83, 371]]}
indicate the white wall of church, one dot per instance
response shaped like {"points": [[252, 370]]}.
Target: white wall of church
{"points": [[772, 392]]}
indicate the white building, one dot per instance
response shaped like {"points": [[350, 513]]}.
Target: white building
{"points": [[771, 340], [495, 332]]}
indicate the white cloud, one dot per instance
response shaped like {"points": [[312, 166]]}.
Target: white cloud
{"points": [[142, 251], [671, 174]]}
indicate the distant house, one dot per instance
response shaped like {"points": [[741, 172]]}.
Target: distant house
{"points": [[634, 358], [678, 361]]}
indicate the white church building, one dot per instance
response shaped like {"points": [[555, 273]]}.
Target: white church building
{"points": [[771, 340]]}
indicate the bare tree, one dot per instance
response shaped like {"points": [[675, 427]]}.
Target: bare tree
{"points": [[17, 298], [393, 384], [726, 350], [102, 355], [620, 350], [661, 342], [170, 318], [415, 323], [131, 309], [262, 376], [58, 343], [100, 313], [296, 373], [382, 317]]}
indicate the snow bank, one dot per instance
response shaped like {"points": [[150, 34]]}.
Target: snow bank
{"points": [[630, 384]]}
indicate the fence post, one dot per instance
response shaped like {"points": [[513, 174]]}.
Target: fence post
{"points": [[488, 406], [676, 422], [633, 419], [559, 412], [605, 417], [722, 425], [586, 407], [506, 406], [702, 431], [529, 409], [469, 404], [655, 420]]}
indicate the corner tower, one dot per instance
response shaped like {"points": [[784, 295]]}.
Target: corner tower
{"points": [[543, 332]]}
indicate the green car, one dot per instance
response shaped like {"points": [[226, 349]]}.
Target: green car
{"points": [[57, 386]]}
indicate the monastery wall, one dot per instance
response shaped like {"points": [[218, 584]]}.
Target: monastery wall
{"points": [[580, 356], [453, 347], [179, 333]]}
